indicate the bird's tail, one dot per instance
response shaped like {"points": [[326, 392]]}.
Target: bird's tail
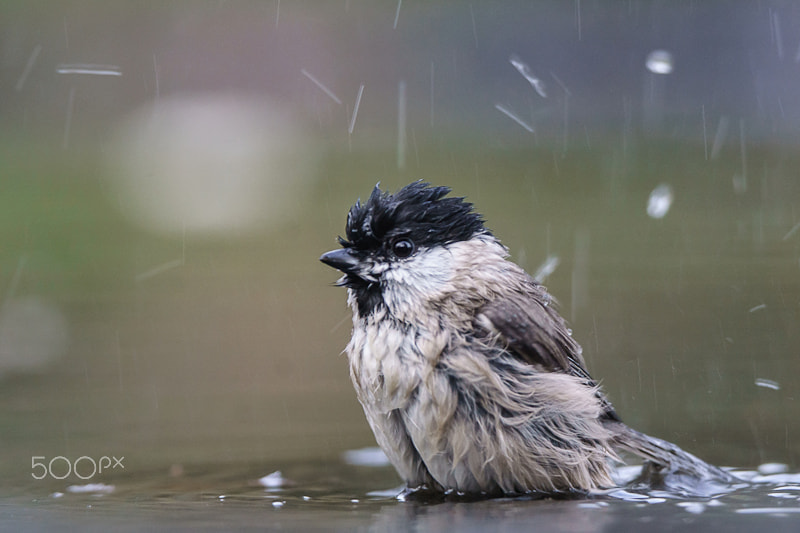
{"points": [[663, 459]]}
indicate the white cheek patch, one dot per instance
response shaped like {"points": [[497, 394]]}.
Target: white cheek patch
{"points": [[426, 274], [378, 268]]}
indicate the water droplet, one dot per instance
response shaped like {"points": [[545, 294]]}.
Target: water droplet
{"points": [[660, 201], [773, 468], [273, 480], [372, 456], [693, 507], [659, 62], [768, 384]]}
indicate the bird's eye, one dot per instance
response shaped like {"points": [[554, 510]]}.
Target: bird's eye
{"points": [[402, 248]]}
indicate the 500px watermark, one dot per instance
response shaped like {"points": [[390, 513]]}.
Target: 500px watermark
{"points": [[84, 467]]}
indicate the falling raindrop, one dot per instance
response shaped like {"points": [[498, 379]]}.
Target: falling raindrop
{"points": [[767, 384], [401, 124], [526, 73], [546, 268], [659, 62], [88, 69], [791, 231], [660, 201], [322, 86], [355, 110], [28, 67], [510, 114]]}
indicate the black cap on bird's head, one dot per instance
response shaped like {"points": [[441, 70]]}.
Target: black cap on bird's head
{"points": [[419, 215], [418, 210], [389, 230]]}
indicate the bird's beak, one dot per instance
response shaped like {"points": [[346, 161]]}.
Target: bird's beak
{"points": [[341, 260]]}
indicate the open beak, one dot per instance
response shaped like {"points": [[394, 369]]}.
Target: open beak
{"points": [[342, 260]]}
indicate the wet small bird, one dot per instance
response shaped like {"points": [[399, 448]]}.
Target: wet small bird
{"points": [[468, 376]]}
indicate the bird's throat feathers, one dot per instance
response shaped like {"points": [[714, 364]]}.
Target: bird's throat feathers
{"points": [[454, 279]]}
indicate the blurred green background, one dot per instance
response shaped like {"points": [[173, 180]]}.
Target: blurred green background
{"points": [[170, 173]]}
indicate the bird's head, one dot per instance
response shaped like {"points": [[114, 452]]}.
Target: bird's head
{"points": [[398, 249]]}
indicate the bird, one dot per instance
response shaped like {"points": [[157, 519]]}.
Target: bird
{"points": [[469, 378]]}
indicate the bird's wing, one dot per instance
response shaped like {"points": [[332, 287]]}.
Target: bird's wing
{"points": [[532, 330]]}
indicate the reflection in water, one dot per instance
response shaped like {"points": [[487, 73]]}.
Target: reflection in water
{"points": [[493, 516], [333, 496]]}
